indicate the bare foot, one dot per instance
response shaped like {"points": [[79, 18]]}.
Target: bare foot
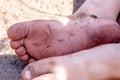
{"points": [[99, 63], [46, 38]]}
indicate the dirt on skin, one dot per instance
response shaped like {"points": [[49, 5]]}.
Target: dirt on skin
{"points": [[13, 11]]}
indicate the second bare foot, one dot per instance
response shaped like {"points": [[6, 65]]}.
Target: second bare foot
{"points": [[99, 63]]}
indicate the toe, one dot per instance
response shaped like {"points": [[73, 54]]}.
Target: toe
{"points": [[18, 31], [38, 68], [16, 44], [45, 77], [25, 57], [32, 60], [21, 51]]}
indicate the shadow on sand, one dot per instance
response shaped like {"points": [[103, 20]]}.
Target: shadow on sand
{"points": [[11, 67], [77, 4]]}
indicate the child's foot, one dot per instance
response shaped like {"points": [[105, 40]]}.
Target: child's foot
{"points": [[99, 63], [39, 39]]}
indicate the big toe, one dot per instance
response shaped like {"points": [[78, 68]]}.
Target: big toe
{"points": [[18, 31], [46, 77], [38, 68]]}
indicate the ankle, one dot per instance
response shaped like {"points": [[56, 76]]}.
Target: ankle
{"points": [[101, 8]]}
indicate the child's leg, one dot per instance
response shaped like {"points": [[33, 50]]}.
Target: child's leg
{"points": [[101, 8], [80, 2]]}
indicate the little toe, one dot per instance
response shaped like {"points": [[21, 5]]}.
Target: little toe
{"points": [[21, 51], [31, 60], [18, 31], [25, 57], [16, 44]]}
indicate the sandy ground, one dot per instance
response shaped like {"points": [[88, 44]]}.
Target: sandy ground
{"points": [[13, 11]]}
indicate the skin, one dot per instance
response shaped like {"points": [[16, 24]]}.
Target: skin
{"points": [[80, 2], [99, 63], [84, 29]]}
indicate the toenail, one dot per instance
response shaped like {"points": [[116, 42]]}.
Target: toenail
{"points": [[27, 75]]}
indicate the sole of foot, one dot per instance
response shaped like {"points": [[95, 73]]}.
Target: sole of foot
{"points": [[38, 39]]}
